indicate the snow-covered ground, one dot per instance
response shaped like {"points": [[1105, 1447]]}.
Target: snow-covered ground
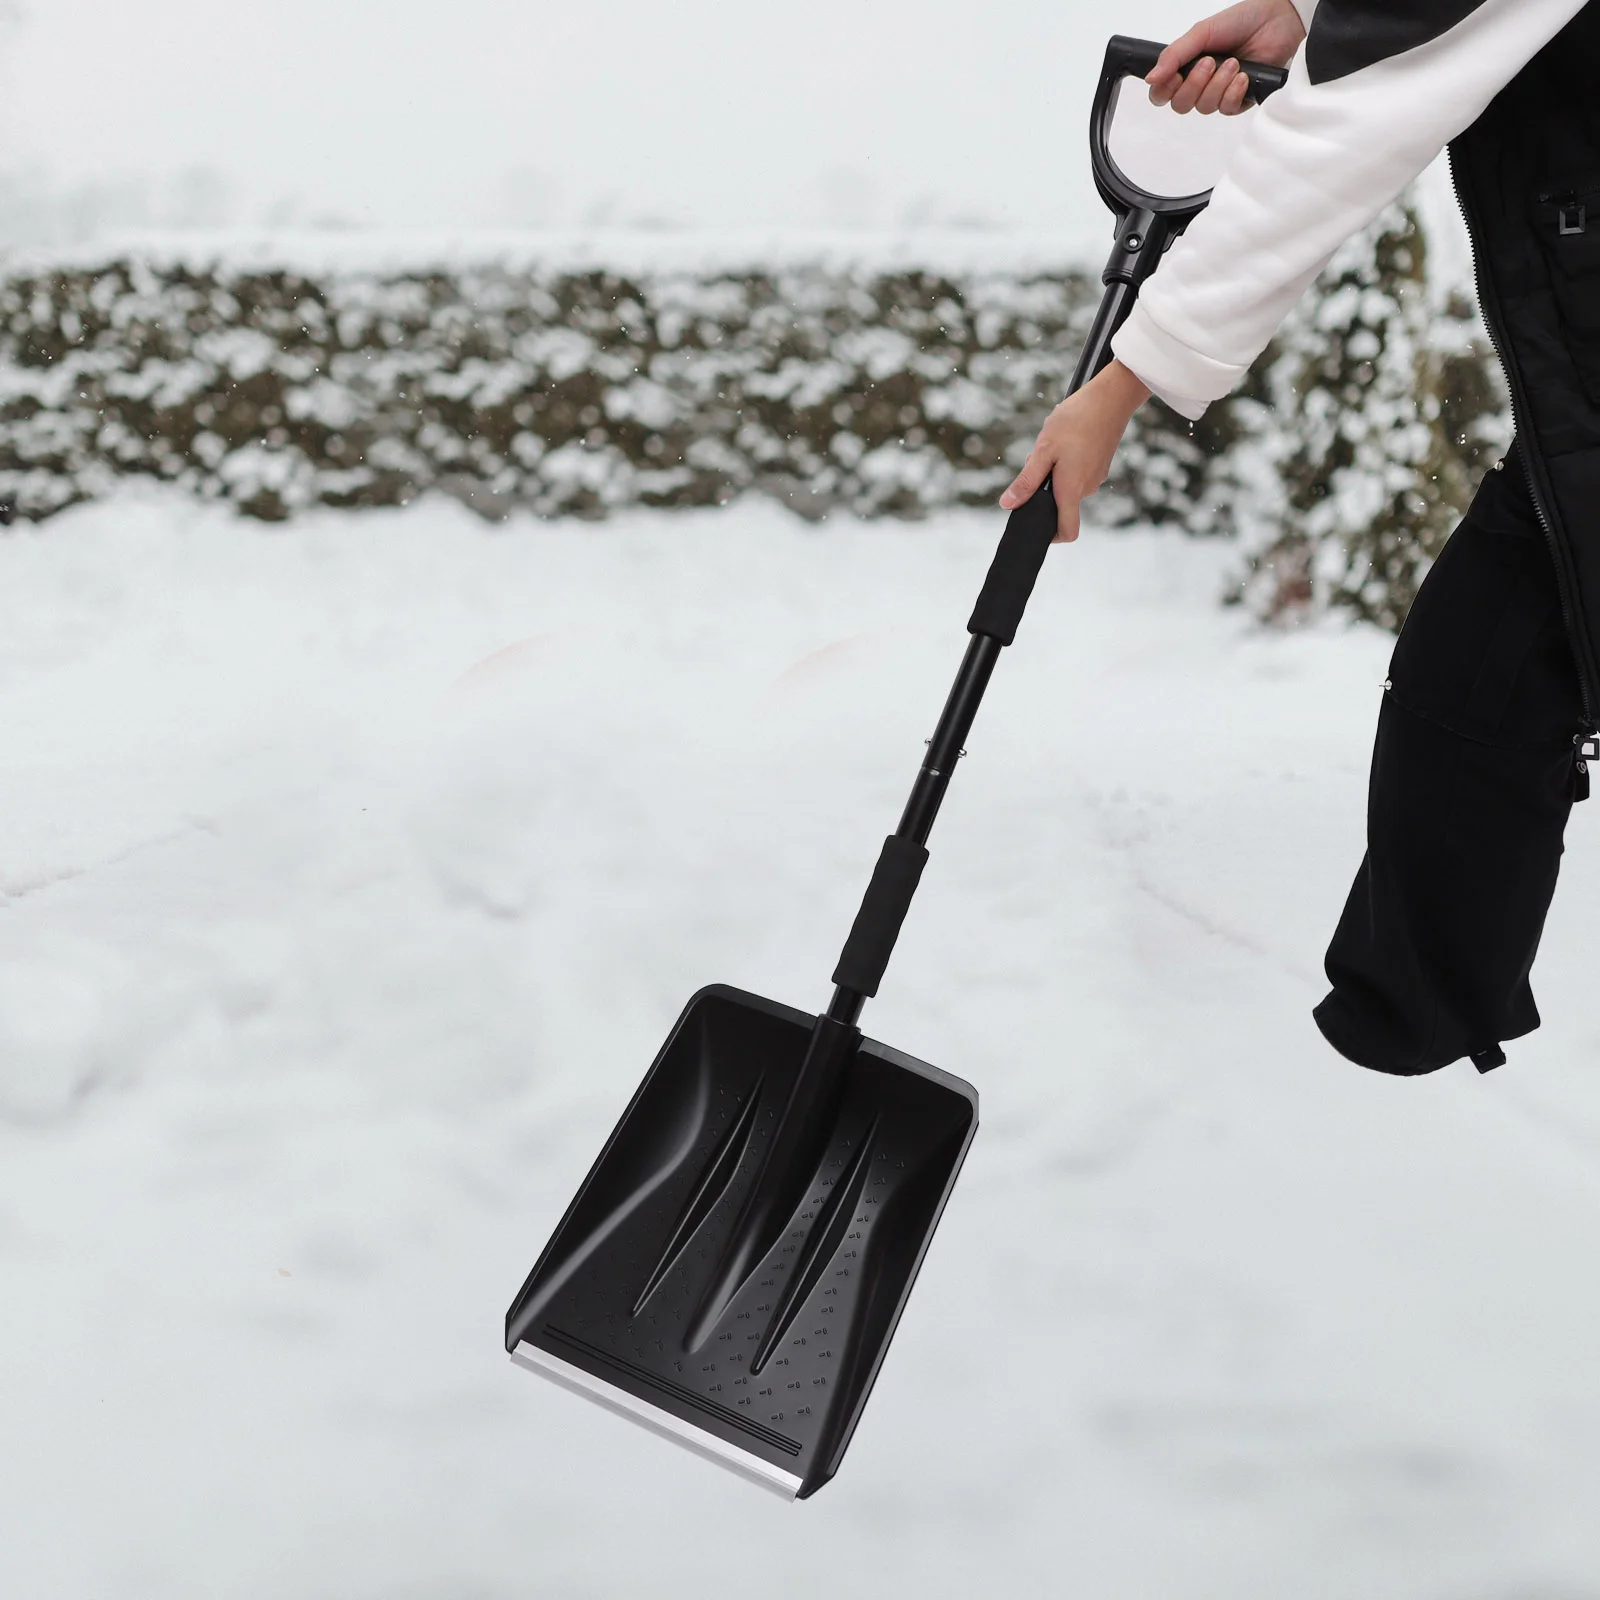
{"points": [[353, 873]]}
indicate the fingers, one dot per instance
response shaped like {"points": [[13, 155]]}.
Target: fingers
{"points": [[1211, 86], [1164, 81], [1026, 483], [1165, 72], [1188, 92], [1066, 510], [1181, 92], [1164, 78], [1219, 84], [1215, 82]]}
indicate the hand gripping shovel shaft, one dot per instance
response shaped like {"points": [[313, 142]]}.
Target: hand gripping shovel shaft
{"points": [[732, 1269]]}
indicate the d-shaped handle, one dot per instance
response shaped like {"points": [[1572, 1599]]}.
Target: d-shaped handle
{"points": [[1133, 58]]}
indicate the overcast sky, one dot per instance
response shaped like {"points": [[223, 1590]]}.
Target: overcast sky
{"points": [[386, 112], [495, 113]]}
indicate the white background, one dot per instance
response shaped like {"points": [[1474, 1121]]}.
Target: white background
{"points": [[703, 112]]}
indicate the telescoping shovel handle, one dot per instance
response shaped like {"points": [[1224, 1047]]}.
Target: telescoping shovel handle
{"points": [[1146, 224]]}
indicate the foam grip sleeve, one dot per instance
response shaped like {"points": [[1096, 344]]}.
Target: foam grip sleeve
{"points": [[1015, 568], [883, 909]]}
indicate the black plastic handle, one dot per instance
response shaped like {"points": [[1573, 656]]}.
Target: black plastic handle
{"points": [[1136, 58], [1015, 568], [1132, 58]]}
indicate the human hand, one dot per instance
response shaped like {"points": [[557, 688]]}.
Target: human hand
{"points": [[1076, 445], [1269, 31]]}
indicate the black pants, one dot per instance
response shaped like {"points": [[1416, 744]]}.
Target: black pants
{"points": [[1473, 775]]}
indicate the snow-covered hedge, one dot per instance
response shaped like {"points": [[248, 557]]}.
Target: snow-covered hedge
{"points": [[875, 392], [871, 390], [1382, 405]]}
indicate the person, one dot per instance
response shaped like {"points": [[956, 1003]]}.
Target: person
{"points": [[1488, 718]]}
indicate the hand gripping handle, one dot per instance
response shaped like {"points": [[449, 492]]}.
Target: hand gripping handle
{"points": [[1132, 59], [1136, 58], [1015, 568], [1145, 223]]}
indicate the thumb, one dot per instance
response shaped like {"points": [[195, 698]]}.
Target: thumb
{"points": [[1026, 483]]}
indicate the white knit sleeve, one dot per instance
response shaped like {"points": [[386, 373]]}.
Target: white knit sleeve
{"points": [[1318, 162]]}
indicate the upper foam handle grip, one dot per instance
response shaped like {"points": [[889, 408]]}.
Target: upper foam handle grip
{"points": [[1030, 529]]}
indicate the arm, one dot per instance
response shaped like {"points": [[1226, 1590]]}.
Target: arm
{"points": [[1076, 446], [1380, 88]]}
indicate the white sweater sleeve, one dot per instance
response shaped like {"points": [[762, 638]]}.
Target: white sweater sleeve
{"points": [[1320, 160]]}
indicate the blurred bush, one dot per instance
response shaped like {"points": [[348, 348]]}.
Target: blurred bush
{"points": [[1370, 419], [880, 394], [831, 389], [568, 394]]}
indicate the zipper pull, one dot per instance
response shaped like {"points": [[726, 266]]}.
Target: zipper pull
{"points": [[1586, 748]]}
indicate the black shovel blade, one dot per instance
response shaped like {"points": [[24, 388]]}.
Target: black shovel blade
{"points": [[773, 1383]]}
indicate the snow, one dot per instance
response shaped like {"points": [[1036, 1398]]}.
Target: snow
{"points": [[353, 874]]}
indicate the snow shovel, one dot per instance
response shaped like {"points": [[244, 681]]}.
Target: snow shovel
{"points": [[732, 1270]]}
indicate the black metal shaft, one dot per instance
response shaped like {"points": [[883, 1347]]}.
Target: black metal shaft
{"points": [[1141, 237], [945, 748], [1114, 308], [947, 745]]}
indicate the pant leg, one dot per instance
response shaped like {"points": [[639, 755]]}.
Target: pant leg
{"points": [[1473, 776]]}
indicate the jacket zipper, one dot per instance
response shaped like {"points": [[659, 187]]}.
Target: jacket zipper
{"points": [[1584, 742]]}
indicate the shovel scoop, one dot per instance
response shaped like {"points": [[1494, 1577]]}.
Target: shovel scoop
{"points": [[734, 1266]]}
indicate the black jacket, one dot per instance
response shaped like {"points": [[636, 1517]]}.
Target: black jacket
{"points": [[1528, 175]]}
